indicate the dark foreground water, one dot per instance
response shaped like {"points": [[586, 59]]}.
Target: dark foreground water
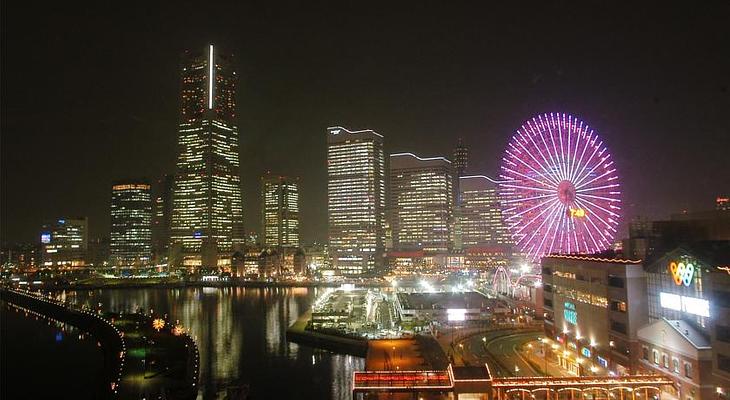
{"points": [[241, 334]]}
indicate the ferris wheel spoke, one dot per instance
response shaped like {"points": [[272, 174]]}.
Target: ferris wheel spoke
{"points": [[580, 181], [532, 168], [587, 173], [555, 215], [567, 150], [554, 163], [615, 185], [563, 229], [552, 209], [536, 217], [582, 185], [563, 160], [574, 158], [548, 165], [542, 204], [529, 188], [596, 149], [579, 167], [596, 215], [575, 234], [588, 230], [548, 184], [590, 196], [543, 167], [517, 200], [584, 200], [600, 232]]}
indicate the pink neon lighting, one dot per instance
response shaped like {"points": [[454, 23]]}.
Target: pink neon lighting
{"points": [[560, 188]]}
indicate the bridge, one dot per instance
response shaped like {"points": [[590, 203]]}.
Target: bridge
{"points": [[477, 382]]}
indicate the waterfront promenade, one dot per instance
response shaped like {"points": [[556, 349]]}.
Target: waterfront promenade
{"points": [[139, 360]]}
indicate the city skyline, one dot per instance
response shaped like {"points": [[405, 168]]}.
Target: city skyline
{"points": [[483, 103]]}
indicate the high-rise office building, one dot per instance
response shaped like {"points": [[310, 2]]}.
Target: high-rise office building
{"points": [[64, 242], [161, 216], [207, 213], [131, 224], [280, 211], [421, 202], [461, 157], [355, 199], [481, 217]]}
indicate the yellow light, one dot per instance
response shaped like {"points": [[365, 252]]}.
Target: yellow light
{"points": [[158, 324]]}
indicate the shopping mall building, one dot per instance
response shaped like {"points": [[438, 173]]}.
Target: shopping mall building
{"points": [[669, 314], [593, 308]]}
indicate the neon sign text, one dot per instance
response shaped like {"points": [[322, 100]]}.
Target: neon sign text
{"points": [[569, 313]]}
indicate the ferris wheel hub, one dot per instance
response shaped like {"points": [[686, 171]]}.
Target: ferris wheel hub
{"points": [[566, 192]]}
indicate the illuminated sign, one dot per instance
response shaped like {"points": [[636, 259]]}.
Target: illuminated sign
{"points": [[691, 305], [569, 313], [586, 352], [46, 237], [197, 234], [682, 273], [456, 314], [602, 361], [577, 212]]}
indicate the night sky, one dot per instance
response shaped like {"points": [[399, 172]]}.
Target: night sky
{"points": [[90, 93]]}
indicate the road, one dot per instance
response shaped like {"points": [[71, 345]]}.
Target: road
{"points": [[501, 350]]}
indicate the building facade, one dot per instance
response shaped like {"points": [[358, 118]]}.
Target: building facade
{"points": [[131, 224], [481, 217], [64, 242], [421, 202], [162, 217], [207, 214], [680, 351], [593, 309], [689, 289], [355, 200], [280, 211]]}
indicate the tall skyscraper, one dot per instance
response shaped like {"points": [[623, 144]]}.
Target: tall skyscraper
{"points": [[280, 211], [64, 242], [421, 202], [162, 216], [481, 217], [131, 224], [355, 199], [207, 216], [461, 158]]}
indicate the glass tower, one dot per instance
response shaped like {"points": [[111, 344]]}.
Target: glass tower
{"points": [[207, 216], [64, 242], [280, 211], [481, 217], [421, 202], [131, 224], [355, 199]]}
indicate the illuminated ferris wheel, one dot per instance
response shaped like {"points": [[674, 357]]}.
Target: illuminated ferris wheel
{"points": [[559, 187]]}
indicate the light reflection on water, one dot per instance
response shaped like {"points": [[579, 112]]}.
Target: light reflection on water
{"points": [[241, 334]]}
